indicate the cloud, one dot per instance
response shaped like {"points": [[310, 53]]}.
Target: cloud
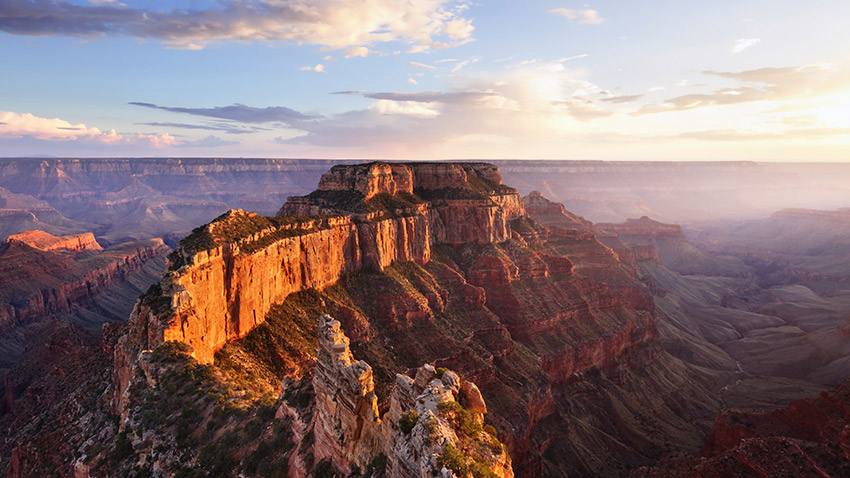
{"points": [[787, 134], [336, 24], [318, 68], [530, 104], [237, 112], [622, 99], [225, 127], [422, 65], [763, 84], [356, 51], [412, 81], [407, 108], [15, 125], [156, 140], [461, 65], [584, 17], [743, 44], [455, 97], [583, 109], [27, 126], [348, 92], [208, 142]]}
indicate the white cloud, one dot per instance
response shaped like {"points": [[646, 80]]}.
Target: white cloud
{"points": [[412, 81], [336, 24], [355, 51], [318, 68], [422, 65], [461, 65], [584, 17], [744, 43], [16, 125], [156, 140], [763, 84], [407, 108]]}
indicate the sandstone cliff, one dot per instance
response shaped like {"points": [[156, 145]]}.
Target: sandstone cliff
{"points": [[433, 425], [48, 242], [225, 276]]}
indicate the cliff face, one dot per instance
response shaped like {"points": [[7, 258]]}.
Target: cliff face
{"points": [[48, 242], [424, 422], [645, 228], [224, 289]]}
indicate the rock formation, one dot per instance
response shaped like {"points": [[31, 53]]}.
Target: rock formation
{"points": [[545, 319], [347, 428], [48, 242], [224, 277], [43, 280], [425, 431]]}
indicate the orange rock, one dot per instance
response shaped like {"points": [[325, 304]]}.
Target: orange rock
{"points": [[48, 242]]}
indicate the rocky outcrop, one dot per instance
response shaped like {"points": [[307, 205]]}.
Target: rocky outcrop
{"points": [[48, 242], [378, 178], [433, 425], [547, 321], [645, 228], [552, 213], [224, 278], [347, 427]]}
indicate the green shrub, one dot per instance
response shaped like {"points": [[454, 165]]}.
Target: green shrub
{"points": [[463, 420], [453, 459], [408, 421]]}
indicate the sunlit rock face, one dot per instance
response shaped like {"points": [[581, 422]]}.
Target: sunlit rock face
{"points": [[350, 434], [361, 217], [48, 242]]}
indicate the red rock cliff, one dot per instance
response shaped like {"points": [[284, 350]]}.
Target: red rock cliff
{"points": [[225, 277], [48, 242]]}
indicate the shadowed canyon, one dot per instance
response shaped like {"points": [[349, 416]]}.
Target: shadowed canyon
{"points": [[262, 317]]}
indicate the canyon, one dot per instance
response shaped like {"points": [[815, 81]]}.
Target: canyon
{"points": [[594, 349], [516, 316]]}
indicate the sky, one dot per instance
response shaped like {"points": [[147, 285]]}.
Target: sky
{"points": [[427, 79]]}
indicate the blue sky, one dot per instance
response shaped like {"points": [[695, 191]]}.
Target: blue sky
{"points": [[763, 80]]}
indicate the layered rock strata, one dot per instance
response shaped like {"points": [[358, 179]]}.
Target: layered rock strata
{"points": [[459, 277], [422, 422], [224, 278], [48, 242], [40, 283]]}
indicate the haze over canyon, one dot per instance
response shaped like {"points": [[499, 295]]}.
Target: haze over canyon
{"points": [[215, 317]]}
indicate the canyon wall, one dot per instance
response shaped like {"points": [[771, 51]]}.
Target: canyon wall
{"points": [[226, 291], [224, 278], [42, 283], [427, 415]]}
